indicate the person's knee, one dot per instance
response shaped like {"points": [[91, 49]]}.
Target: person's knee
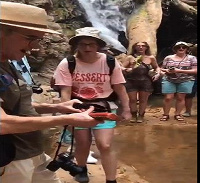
{"points": [[104, 147], [180, 99], [168, 98]]}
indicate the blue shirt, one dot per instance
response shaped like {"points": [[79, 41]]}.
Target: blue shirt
{"points": [[24, 68]]}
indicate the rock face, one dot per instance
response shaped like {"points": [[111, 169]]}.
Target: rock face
{"points": [[143, 24]]}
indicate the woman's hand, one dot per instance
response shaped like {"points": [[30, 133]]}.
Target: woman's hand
{"points": [[128, 69], [132, 62], [171, 71], [164, 70], [83, 119], [126, 115], [156, 77], [175, 70]]}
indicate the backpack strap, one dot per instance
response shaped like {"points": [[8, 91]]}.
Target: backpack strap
{"points": [[71, 63], [111, 63]]}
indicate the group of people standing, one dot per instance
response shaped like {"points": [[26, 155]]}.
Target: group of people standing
{"points": [[178, 79]]}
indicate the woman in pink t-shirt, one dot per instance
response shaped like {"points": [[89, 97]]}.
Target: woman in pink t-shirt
{"points": [[91, 81]]}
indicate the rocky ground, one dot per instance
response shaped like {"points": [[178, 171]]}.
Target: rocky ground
{"points": [[125, 174]]}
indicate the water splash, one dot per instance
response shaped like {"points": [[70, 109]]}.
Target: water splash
{"points": [[106, 17]]}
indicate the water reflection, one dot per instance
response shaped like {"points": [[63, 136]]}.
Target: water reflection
{"points": [[166, 154]]}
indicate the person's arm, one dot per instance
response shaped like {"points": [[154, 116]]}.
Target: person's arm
{"points": [[124, 99], [163, 68], [11, 124], [190, 71], [155, 66], [193, 70], [126, 62], [62, 107], [190, 2], [66, 93], [129, 64]]}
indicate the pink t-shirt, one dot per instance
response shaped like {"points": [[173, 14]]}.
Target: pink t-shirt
{"points": [[89, 80]]}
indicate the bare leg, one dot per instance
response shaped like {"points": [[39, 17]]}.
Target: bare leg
{"points": [[167, 103], [143, 100], [188, 105], [180, 103], [104, 139], [133, 101], [83, 142]]}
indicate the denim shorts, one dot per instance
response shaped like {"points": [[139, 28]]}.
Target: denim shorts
{"points": [[106, 125], [184, 87]]}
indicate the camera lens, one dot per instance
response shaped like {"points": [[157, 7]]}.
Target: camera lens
{"points": [[65, 162], [53, 165]]}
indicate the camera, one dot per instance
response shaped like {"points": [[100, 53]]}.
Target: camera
{"points": [[65, 162], [36, 89], [171, 68], [97, 107]]}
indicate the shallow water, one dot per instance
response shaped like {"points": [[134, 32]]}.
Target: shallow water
{"points": [[159, 153]]}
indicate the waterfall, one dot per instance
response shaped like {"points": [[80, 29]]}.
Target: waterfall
{"points": [[106, 17]]}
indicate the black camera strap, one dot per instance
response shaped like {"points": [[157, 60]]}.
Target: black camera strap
{"points": [[60, 142]]}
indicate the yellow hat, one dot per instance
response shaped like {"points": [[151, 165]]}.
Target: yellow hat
{"points": [[24, 16]]}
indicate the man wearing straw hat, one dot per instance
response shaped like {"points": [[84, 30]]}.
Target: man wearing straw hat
{"points": [[22, 159]]}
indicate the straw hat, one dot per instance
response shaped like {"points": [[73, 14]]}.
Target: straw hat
{"points": [[87, 32], [180, 43], [24, 16]]}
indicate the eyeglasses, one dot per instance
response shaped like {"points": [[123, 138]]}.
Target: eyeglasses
{"points": [[87, 44], [181, 46], [30, 38]]}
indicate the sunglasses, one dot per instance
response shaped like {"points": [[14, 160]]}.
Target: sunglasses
{"points": [[181, 46]]}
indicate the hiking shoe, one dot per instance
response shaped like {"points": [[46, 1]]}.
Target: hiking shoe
{"points": [[133, 120], [82, 177], [134, 117], [140, 119], [186, 114]]}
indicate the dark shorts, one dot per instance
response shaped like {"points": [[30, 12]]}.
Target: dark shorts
{"points": [[139, 85], [194, 91]]}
